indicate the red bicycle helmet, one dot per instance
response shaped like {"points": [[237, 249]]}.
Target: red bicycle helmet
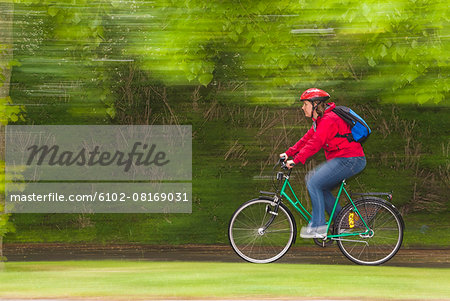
{"points": [[314, 94]]}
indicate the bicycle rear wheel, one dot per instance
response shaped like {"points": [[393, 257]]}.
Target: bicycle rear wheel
{"points": [[379, 244], [249, 236]]}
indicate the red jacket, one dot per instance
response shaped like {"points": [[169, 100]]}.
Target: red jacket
{"points": [[323, 136]]}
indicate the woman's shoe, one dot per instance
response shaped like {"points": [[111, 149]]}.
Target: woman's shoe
{"points": [[313, 232]]}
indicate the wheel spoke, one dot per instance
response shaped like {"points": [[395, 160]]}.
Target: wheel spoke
{"points": [[279, 231]]}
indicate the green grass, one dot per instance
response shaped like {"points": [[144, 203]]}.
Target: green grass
{"points": [[137, 280]]}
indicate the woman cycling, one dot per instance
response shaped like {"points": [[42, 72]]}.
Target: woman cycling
{"points": [[344, 159]]}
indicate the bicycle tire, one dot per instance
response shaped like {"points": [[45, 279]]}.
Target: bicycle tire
{"points": [[251, 243], [386, 224]]}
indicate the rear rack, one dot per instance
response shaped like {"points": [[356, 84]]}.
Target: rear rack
{"points": [[386, 194], [267, 192]]}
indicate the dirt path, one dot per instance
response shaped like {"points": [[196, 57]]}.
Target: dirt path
{"points": [[221, 253]]}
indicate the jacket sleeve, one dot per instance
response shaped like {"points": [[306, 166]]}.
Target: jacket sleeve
{"points": [[325, 130], [292, 151]]}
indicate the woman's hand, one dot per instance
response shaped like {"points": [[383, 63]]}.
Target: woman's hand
{"points": [[283, 155], [290, 164]]}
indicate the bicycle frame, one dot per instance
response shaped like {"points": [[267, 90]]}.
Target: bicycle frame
{"points": [[307, 216]]}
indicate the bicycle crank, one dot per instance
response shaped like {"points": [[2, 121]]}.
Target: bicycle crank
{"points": [[323, 242]]}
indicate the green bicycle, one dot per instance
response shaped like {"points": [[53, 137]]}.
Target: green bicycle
{"points": [[368, 230]]}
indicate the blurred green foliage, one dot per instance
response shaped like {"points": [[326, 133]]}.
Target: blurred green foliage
{"points": [[262, 51]]}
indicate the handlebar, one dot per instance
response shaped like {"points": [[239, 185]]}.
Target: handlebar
{"points": [[280, 175], [282, 161]]}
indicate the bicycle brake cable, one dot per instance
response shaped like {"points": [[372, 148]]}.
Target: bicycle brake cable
{"points": [[275, 178]]}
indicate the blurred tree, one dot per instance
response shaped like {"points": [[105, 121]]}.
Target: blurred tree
{"points": [[64, 58], [8, 112], [256, 51], [394, 51]]}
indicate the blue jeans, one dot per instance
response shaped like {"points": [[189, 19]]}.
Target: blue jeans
{"points": [[323, 179]]}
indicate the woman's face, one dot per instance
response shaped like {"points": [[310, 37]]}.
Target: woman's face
{"points": [[307, 108]]}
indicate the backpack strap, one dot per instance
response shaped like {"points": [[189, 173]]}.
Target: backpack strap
{"points": [[349, 136], [348, 121]]}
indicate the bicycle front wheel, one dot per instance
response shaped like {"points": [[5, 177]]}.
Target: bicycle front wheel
{"points": [[258, 234], [377, 244]]}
